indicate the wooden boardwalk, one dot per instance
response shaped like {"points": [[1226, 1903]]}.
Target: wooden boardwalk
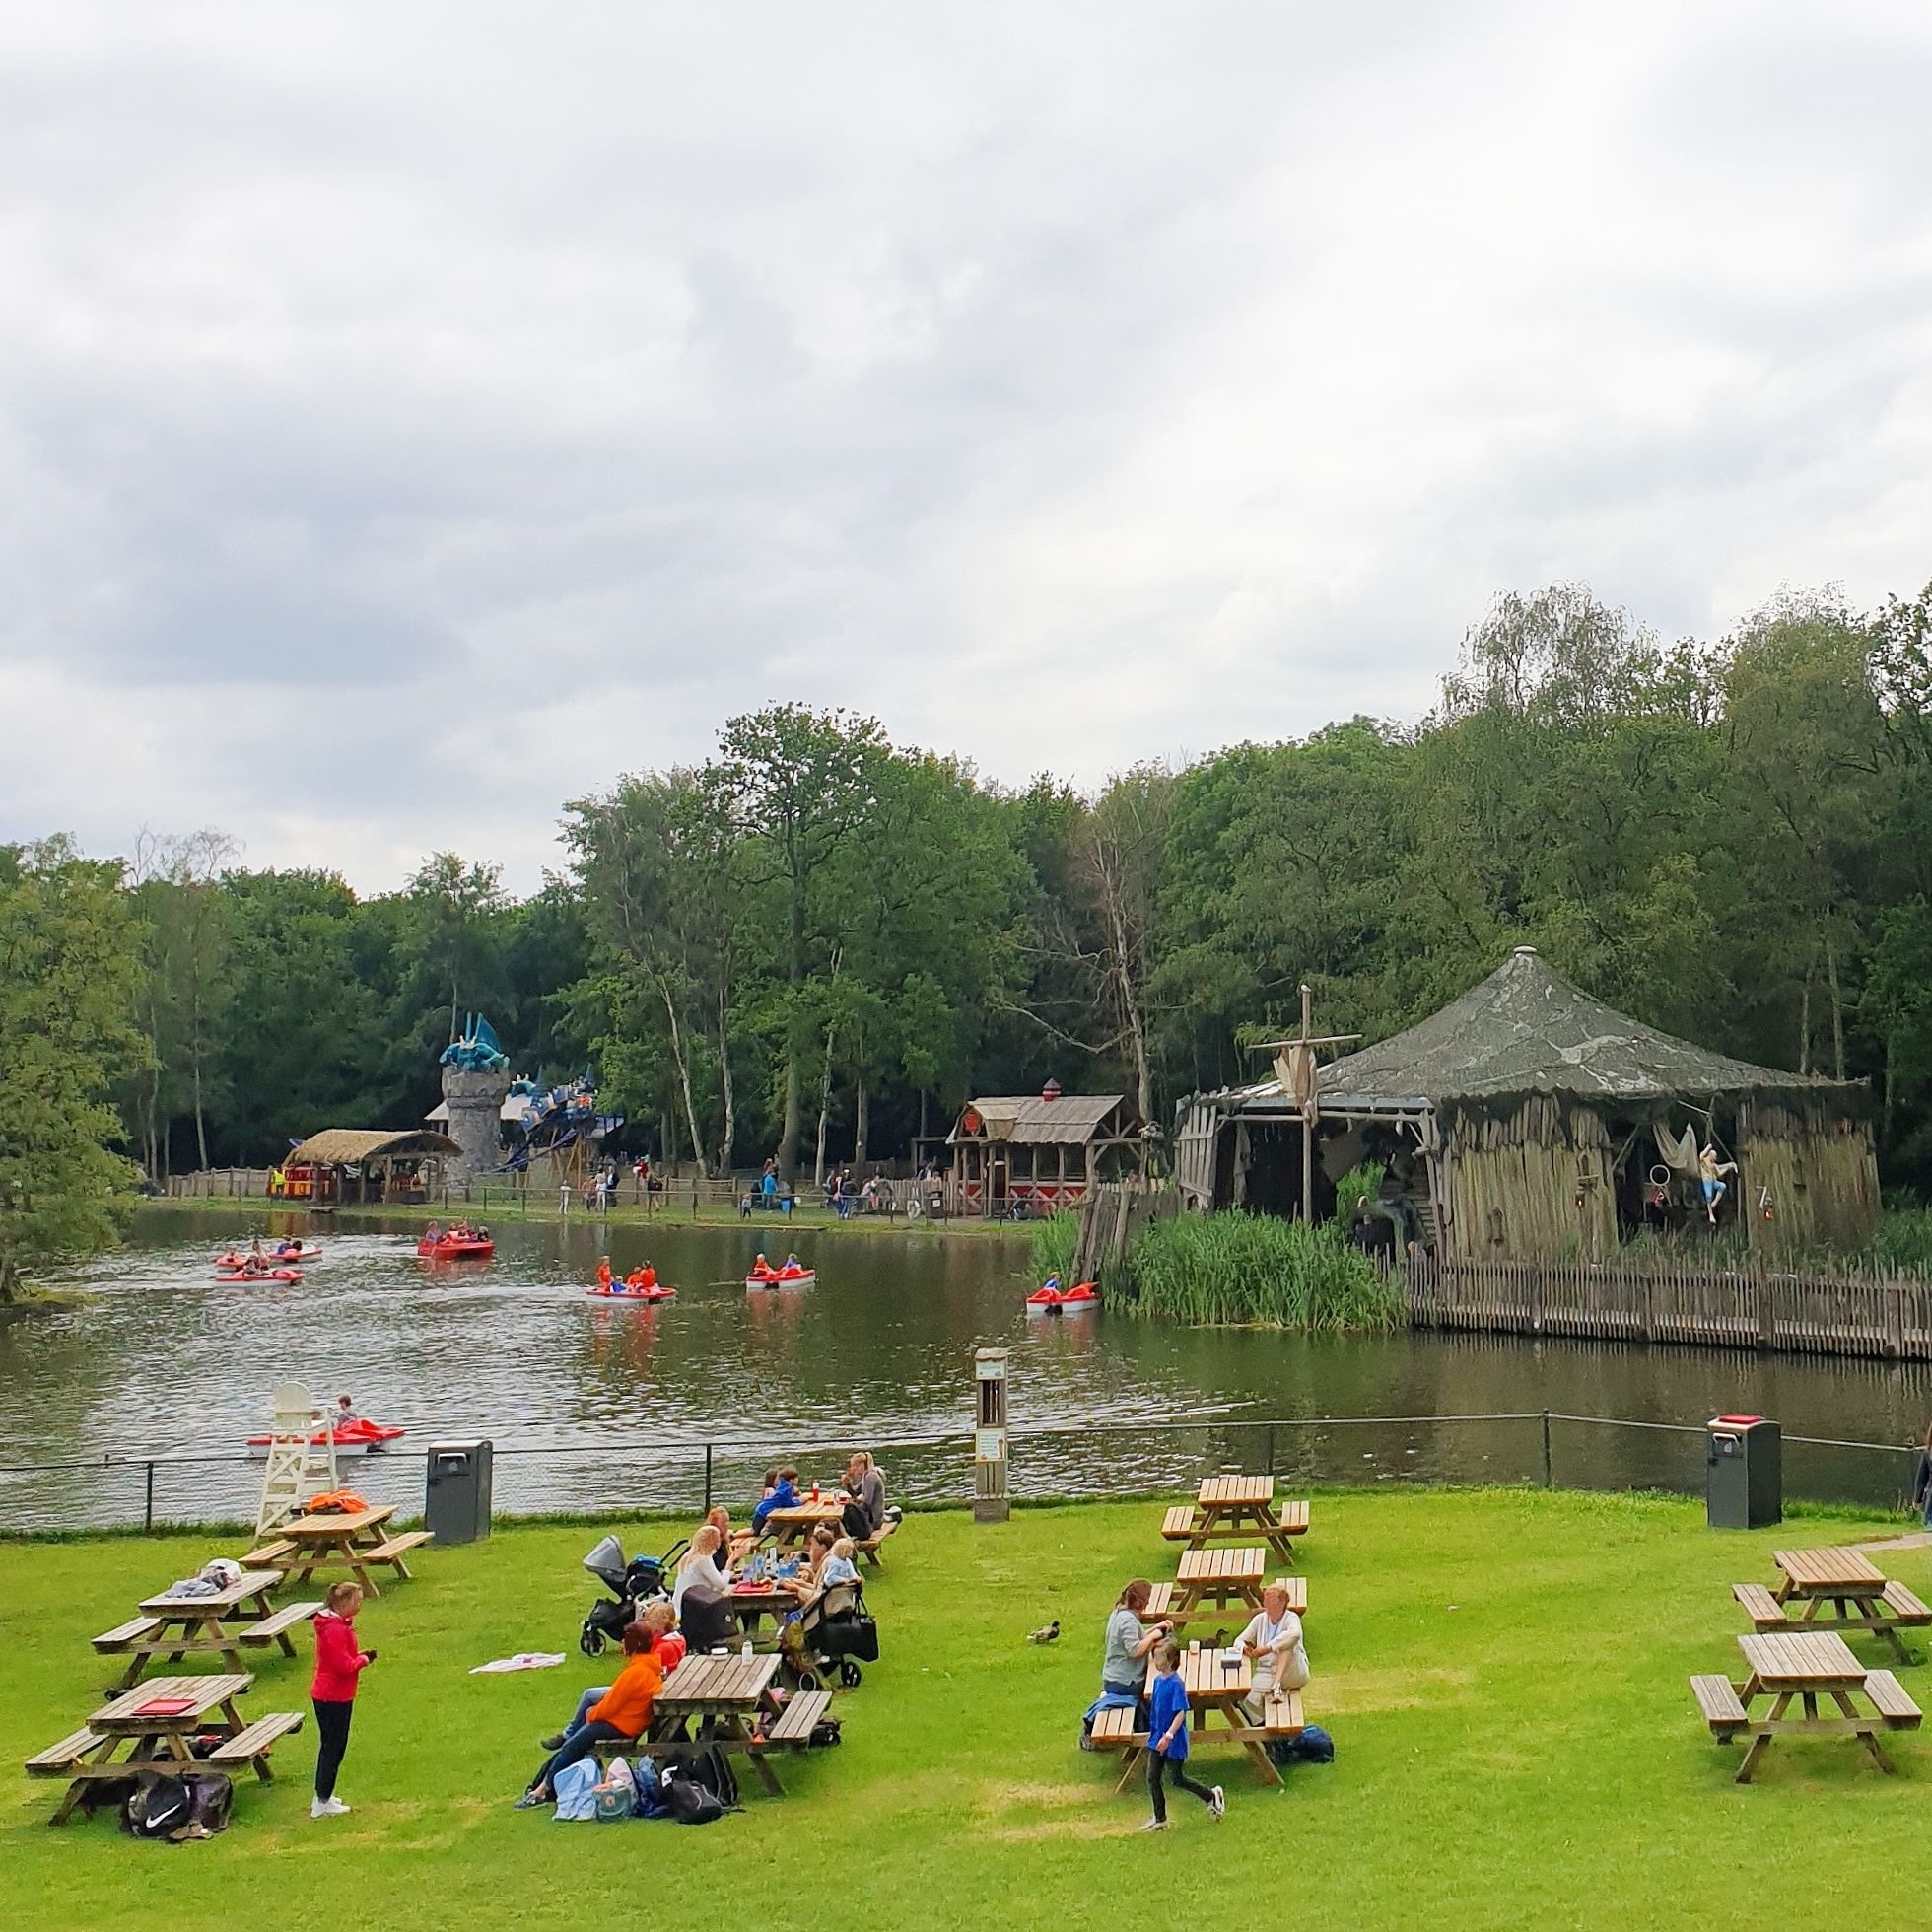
{"points": [[1847, 1313]]}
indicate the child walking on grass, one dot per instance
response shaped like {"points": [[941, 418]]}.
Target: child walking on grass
{"points": [[1167, 1740]]}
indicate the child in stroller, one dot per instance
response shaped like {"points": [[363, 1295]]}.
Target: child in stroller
{"points": [[831, 1632]]}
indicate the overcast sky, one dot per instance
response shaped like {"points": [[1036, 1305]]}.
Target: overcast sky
{"points": [[412, 417]]}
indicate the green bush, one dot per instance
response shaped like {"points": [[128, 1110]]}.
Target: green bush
{"points": [[1053, 1247], [1358, 1183], [1235, 1268], [1905, 1238]]}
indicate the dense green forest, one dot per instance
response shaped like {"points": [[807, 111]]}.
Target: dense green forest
{"points": [[817, 938]]}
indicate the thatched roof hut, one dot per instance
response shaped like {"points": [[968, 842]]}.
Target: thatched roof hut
{"points": [[355, 1163], [1532, 1120]]}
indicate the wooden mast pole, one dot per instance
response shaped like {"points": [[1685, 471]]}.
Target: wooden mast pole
{"points": [[1307, 1113]]}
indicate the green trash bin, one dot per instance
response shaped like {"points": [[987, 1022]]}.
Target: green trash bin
{"points": [[1744, 1473]]}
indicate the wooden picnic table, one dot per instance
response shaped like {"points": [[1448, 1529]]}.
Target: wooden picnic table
{"points": [[1858, 1591], [1166, 1603], [358, 1541], [129, 1734], [726, 1695], [218, 1622], [1213, 1578], [773, 1600], [789, 1526], [1229, 1506], [1808, 1666], [1217, 1682]]}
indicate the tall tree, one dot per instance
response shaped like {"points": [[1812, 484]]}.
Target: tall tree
{"points": [[69, 971], [799, 785]]}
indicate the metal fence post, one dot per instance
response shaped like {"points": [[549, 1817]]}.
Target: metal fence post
{"points": [[1547, 1482], [148, 1515], [1270, 1448], [707, 1479]]}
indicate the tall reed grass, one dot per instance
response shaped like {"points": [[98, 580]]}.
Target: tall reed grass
{"points": [[1053, 1247], [1905, 1239], [1230, 1268]]}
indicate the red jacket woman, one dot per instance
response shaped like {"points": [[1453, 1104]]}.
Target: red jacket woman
{"points": [[339, 1664]]}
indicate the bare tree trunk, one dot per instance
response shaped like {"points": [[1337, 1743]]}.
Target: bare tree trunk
{"points": [[729, 1133], [1804, 1023], [1837, 1008], [824, 1110], [1131, 1008], [683, 1076], [859, 1119]]}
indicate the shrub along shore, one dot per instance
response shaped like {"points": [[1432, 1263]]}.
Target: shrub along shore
{"points": [[1504, 1674]]}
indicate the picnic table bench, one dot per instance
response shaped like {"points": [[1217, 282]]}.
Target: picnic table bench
{"points": [[1809, 1666], [1165, 1604], [1860, 1596], [181, 1626], [1227, 1506], [147, 1729], [1218, 1683], [358, 1541]]}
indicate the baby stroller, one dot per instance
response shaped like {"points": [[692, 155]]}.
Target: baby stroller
{"points": [[830, 1633], [633, 1584]]}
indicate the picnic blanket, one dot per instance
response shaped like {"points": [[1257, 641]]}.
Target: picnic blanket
{"points": [[524, 1660]]}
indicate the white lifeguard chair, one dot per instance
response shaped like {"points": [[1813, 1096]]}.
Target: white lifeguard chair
{"points": [[297, 1467]]}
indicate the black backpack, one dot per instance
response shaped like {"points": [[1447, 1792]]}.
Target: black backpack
{"points": [[689, 1801], [177, 1808], [712, 1771]]}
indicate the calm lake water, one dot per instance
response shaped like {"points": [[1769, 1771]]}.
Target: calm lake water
{"points": [[594, 1405]]}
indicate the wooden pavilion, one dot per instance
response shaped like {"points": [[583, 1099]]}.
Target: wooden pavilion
{"points": [[360, 1165], [1045, 1150], [1526, 1120]]}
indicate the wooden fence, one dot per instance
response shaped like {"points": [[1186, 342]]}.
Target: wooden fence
{"points": [[1846, 1313]]}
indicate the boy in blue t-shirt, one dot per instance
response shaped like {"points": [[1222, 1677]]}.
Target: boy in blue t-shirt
{"points": [[783, 1494], [1167, 1740]]}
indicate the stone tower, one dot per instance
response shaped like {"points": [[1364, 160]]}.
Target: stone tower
{"points": [[475, 1083], [475, 1100]]}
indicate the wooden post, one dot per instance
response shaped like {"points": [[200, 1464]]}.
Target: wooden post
{"points": [[990, 1503]]}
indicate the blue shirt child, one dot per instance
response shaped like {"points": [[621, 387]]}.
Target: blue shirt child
{"points": [[1169, 1701], [784, 1497]]}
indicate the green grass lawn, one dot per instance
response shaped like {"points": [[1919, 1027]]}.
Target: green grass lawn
{"points": [[1503, 1673]]}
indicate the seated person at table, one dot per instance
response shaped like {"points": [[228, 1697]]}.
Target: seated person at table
{"points": [[838, 1567], [670, 1648], [731, 1543], [805, 1585], [621, 1714], [783, 1494], [699, 1567], [1273, 1645], [867, 1487], [1122, 1661]]}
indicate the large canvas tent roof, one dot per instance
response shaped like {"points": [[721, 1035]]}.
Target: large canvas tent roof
{"points": [[1526, 1030]]}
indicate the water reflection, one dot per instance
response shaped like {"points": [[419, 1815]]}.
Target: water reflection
{"points": [[161, 1359]]}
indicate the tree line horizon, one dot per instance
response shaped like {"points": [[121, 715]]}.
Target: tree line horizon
{"points": [[816, 944]]}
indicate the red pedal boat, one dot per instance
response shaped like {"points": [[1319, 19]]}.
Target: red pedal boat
{"points": [[1059, 1301], [248, 1278], [357, 1438], [783, 1277], [457, 1244]]}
